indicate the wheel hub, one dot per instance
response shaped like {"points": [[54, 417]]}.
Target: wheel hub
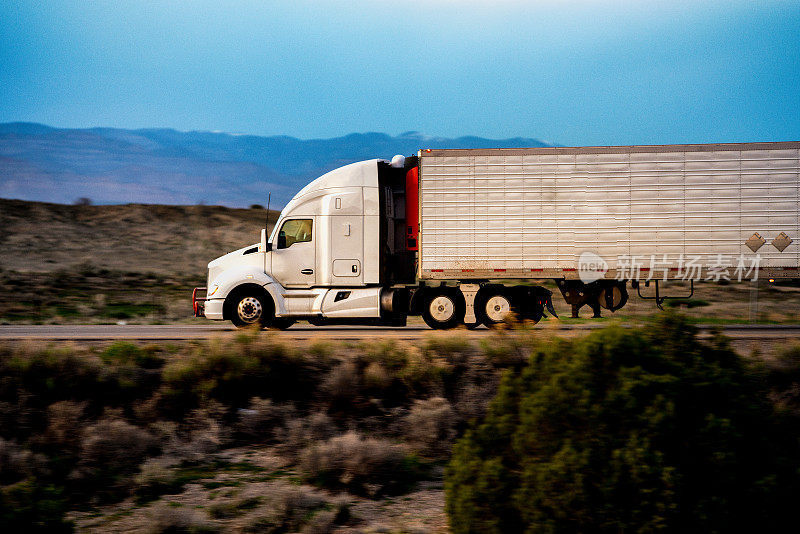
{"points": [[498, 308], [249, 309], [442, 308]]}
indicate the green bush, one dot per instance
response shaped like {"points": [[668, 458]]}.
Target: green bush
{"points": [[124, 352], [29, 506], [232, 374], [626, 430]]}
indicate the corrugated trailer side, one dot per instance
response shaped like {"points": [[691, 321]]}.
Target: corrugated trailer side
{"points": [[541, 212]]}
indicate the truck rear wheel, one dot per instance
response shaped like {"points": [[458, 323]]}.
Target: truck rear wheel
{"points": [[493, 307], [443, 309]]}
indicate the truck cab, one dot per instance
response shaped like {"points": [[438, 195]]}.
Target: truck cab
{"points": [[334, 254]]}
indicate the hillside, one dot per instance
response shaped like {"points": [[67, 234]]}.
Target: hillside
{"points": [[162, 166], [101, 264], [175, 240]]}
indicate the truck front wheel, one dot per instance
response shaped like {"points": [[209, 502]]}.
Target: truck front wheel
{"points": [[250, 307], [444, 309]]}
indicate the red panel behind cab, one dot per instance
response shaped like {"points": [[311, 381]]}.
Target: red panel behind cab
{"points": [[412, 208]]}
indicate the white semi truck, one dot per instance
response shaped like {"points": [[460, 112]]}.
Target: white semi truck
{"points": [[463, 236]]}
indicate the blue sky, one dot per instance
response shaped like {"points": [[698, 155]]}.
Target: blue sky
{"points": [[570, 72]]}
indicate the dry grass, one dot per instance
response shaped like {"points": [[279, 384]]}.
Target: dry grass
{"points": [[364, 466]]}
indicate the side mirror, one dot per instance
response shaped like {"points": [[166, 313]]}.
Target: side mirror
{"points": [[281, 240]]}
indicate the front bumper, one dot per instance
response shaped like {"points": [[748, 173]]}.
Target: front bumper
{"points": [[213, 309], [198, 303]]}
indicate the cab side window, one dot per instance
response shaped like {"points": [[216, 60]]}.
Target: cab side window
{"points": [[294, 231]]}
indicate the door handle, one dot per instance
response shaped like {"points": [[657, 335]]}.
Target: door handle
{"points": [[307, 271]]}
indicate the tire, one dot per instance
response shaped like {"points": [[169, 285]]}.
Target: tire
{"points": [[443, 309], [494, 306], [250, 307], [281, 323]]}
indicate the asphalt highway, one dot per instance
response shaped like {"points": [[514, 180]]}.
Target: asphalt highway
{"points": [[304, 331]]}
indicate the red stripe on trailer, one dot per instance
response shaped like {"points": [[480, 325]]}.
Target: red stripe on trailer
{"points": [[536, 270], [437, 270], [467, 270], [412, 209], [570, 270], [499, 270]]}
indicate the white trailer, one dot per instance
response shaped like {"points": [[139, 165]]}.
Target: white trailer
{"points": [[444, 233]]}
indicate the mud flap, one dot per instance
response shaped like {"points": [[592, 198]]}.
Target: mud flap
{"points": [[534, 300], [549, 304], [545, 298]]}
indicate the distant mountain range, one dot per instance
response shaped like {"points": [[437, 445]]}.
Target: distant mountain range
{"points": [[163, 166]]}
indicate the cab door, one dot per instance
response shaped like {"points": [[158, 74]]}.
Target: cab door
{"points": [[347, 249], [294, 253]]}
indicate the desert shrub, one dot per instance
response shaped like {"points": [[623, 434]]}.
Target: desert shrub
{"points": [[425, 376], [364, 466], [291, 508], [202, 432], [64, 419], [114, 444], [376, 377], [41, 377], [17, 462], [342, 384], [300, 432], [625, 430], [124, 352], [32, 506], [341, 389], [111, 451], [259, 422], [390, 354], [783, 375], [205, 431], [505, 351], [156, 477], [232, 374], [455, 350], [430, 425], [35, 378]]}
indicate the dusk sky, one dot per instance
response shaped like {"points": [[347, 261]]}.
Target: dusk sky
{"points": [[567, 72]]}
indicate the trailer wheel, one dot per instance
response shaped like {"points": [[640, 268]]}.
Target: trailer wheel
{"points": [[250, 306], [493, 306], [443, 309]]}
